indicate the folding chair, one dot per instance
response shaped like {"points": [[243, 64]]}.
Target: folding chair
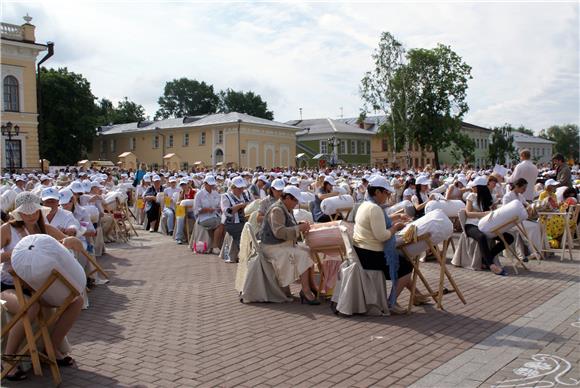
{"points": [[93, 261], [343, 212], [499, 233], [443, 273], [567, 242], [30, 346], [125, 219]]}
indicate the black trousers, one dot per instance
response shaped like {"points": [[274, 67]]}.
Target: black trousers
{"points": [[153, 215], [326, 218], [488, 252], [376, 260]]}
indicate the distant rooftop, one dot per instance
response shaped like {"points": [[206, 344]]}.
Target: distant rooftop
{"points": [[325, 126], [191, 121]]}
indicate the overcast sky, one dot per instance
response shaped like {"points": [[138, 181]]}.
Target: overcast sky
{"points": [[525, 56]]}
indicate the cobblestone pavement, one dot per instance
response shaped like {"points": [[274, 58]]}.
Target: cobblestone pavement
{"points": [[170, 318]]}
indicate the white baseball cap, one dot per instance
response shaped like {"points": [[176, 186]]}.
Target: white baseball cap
{"points": [[65, 196], [49, 193], [210, 180], [551, 182], [263, 178], [156, 178], [330, 180], [293, 191], [278, 184], [380, 181], [479, 181], [423, 180], [77, 187], [239, 182]]}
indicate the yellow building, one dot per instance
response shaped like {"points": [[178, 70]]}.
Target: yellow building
{"points": [[19, 52], [210, 140]]}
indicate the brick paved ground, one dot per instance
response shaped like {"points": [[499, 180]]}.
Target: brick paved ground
{"points": [[169, 318]]}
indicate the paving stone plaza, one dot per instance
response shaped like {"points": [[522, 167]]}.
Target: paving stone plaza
{"points": [[169, 318]]}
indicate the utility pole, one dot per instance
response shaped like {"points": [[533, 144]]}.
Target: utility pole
{"points": [[300, 109]]}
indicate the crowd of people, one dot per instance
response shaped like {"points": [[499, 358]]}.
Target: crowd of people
{"points": [[76, 207]]}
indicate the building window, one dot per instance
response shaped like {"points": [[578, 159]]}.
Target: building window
{"points": [[219, 156], [156, 141], [343, 147], [353, 147], [323, 146], [385, 145], [132, 144], [202, 138], [185, 166], [477, 143], [363, 148], [11, 100], [185, 139], [113, 145], [13, 153], [103, 146], [220, 138], [170, 141]]}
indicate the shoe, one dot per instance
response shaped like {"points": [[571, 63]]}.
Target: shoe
{"points": [[19, 375], [502, 273], [304, 299], [333, 308], [216, 251], [151, 230], [67, 361], [397, 310], [180, 242], [421, 300]]}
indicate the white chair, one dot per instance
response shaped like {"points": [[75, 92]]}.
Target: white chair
{"points": [[358, 291]]}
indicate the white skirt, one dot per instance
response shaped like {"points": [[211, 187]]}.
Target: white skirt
{"points": [[288, 259]]}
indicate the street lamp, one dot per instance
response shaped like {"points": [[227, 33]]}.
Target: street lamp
{"points": [[333, 141], [162, 146], [9, 130]]}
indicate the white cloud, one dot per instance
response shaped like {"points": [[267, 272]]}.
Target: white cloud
{"points": [[313, 55]]}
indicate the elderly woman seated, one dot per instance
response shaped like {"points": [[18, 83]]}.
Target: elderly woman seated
{"points": [[374, 241], [28, 218], [279, 233]]}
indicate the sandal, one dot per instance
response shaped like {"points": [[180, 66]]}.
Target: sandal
{"points": [[19, 375], [67, 361]]}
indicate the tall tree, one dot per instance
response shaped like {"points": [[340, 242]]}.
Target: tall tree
{"points": [[436, 93], [525, 130], [69, 116], [383, 88], [186, 97], [501, 146], [244, 102], [129, 112], [566, 138], [105, 112]]}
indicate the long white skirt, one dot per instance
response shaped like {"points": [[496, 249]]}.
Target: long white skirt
{"points": [[288, 259]]}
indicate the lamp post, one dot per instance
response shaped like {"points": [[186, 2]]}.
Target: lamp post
{"points": [[162, 146], [9, 130], [334, 158], [239, 145]]}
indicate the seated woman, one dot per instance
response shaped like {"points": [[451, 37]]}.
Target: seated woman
{"points": [[478, 205], [326, 191], [549, 194], [421, 198], [456, 190], [207, 211], [279, 235], [233, 204], [152, 207], [518, 188], [28, 218], [185, 192], [374, 241], [274, 194]]}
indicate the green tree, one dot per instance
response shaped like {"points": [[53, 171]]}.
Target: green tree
{"points": [[436, 92], [501, 146], [566, 139], [244, 102], [128, 112], [68, 116], [186, 97], [525, 130], [383, 88]]}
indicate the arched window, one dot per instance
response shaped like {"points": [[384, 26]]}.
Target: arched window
{"points": [[11, 100]]}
